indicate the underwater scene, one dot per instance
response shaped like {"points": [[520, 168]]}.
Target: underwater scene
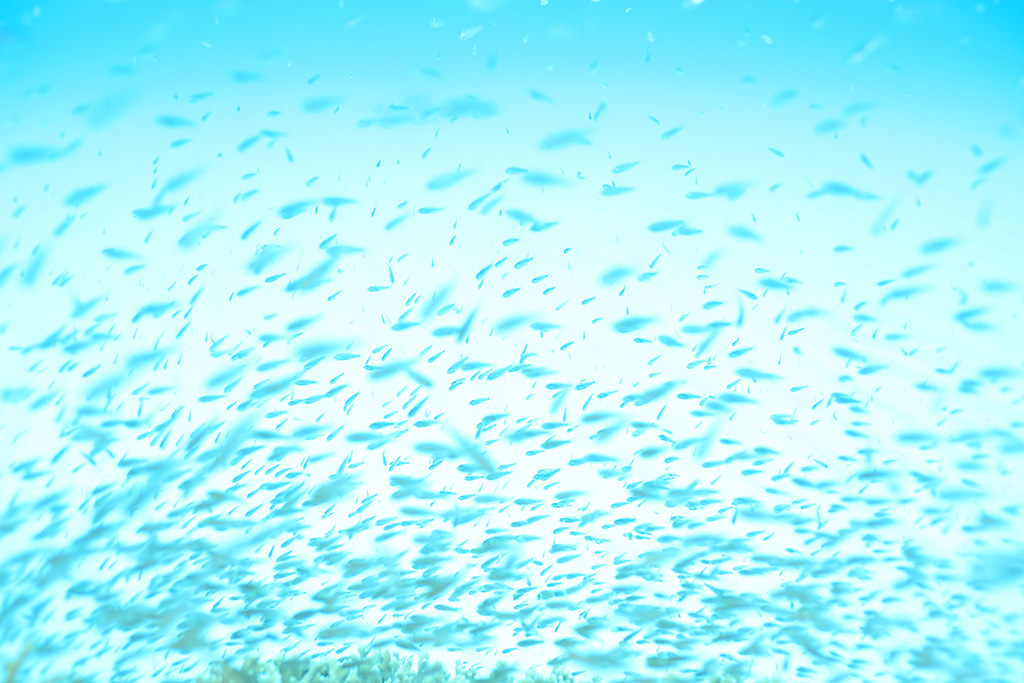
{"points": [[516, 341]]}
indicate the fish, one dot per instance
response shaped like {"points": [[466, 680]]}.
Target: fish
{"points": [[564, 139], [838, 189]]}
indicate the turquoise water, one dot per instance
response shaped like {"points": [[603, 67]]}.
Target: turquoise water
{"points": [[650, 340]]}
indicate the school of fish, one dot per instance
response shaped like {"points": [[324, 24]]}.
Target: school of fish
{"points": [[655, 343]]}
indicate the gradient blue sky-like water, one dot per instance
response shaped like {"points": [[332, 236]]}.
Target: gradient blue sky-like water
{"points": [[650, 339]]}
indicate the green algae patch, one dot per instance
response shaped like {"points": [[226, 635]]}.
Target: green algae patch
{"points": [[375, 666], [384, 667]]}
